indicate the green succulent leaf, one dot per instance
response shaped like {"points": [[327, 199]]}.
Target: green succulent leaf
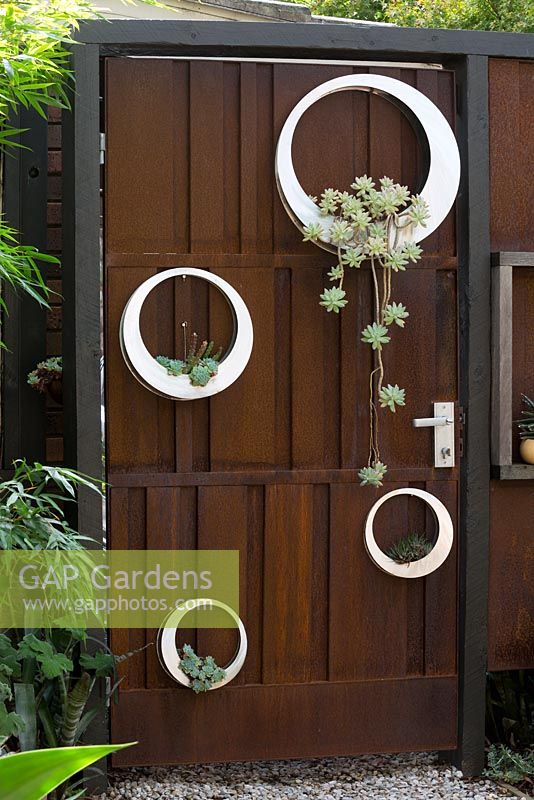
{"points": [[395, 313], [376, 335], [412, 547], [397, 260], [336, 273], [312, 232], [391, 396], [333, 299], [353, 256], [329, 202], [362, 185], [373, 475], [412, 251], [203, 672], [340, 232], [418, 213]]}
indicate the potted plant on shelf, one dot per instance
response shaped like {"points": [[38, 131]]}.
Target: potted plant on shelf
{"points": [[47, 378], [526, 430]]}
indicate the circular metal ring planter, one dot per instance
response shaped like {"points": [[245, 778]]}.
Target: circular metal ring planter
{"points": [[425, 565], [154, 376], [166, 644], [443, 177]]}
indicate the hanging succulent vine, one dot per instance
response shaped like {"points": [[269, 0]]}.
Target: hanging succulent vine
{"points": [[374, 225]]}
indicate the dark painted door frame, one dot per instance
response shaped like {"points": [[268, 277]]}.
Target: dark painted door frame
{"points": [[467, 53]]}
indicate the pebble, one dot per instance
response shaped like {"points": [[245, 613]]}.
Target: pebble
{"points": [[384, 777]]}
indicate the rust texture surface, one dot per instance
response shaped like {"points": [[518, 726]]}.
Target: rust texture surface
{"points": [[268, 466], [511, 596]]}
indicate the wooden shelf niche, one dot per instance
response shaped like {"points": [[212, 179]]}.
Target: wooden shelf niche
{"points": [[502, 429]]}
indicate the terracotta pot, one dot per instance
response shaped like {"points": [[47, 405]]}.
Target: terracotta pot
{"points": [[526, 449]]}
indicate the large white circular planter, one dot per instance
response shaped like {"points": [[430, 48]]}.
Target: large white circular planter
{"points": [[443, 177], [153, 375], [425, 565], [168, 654]]}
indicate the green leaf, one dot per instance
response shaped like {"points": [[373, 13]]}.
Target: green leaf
{"points": [[54, 665], [32, 775], [373, 475], [392, 396], [11, 724], [333, 299], [395, 313], [101, 662], [375, 335]]}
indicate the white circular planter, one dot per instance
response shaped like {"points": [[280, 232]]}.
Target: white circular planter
{"points": [[425, 565], [153, 375], [168, 654], [443, 177]]}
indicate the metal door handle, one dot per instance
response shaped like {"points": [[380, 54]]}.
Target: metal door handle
{"points": [[443, 424], [432, 422]]}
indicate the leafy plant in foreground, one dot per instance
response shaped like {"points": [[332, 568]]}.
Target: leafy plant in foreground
{"points": [[33, 775], [200, 363], [31, 507], [511, 767], [372, 225], [202, 671], [411, 548]]}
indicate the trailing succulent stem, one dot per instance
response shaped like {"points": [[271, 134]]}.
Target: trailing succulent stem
{"points": [[200, 363], [374, 225]]}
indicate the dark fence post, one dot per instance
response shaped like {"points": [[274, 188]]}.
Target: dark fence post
{"points": [[82, 351], [475, 384]]}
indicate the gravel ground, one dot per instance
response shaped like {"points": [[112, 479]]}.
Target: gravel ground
{"points": [[403, 777]]}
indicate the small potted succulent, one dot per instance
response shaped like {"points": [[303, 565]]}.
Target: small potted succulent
{"points": [[526, 430], [202, 672], [200, 363], [47, 378], [412, 547]]}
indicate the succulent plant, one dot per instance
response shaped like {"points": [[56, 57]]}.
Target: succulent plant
{"points": [[526, 423], [366, 226], [203, 672], [47, 377], [412, 547], [200, 363]]}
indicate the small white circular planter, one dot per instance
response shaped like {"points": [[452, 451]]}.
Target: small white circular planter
{"points": [[154, 376], [441, 185], [168, 654], [427, 564]]}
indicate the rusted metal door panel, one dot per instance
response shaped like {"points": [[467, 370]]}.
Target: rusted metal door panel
{"points": [[270, 465], [511, 598]]}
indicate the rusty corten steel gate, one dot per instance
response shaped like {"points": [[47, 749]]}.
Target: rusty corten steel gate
{"points": [[342, 658]]}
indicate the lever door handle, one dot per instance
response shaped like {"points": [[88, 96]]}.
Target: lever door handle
{"points": [[432, 422], [443, 424]]}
